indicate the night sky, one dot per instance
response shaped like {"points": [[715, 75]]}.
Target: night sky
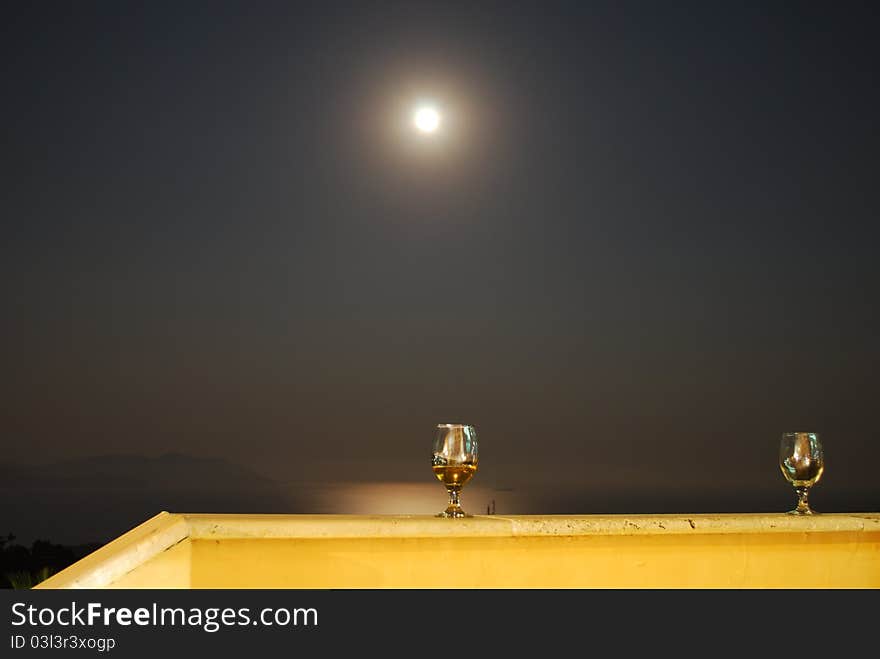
{"points": [[641, 246]]}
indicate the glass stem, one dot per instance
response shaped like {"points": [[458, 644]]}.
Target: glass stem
{"points": [[803, 505], [455, 498]]}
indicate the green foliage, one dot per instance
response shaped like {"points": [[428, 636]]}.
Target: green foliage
{"points": [[23, 580], [24, 567]]}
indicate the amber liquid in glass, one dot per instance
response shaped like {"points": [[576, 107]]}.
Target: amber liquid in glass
{"points": [[454, 475]]}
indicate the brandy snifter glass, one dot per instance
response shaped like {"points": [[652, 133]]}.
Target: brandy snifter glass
{"points": [[802, 463], [454, 461]]}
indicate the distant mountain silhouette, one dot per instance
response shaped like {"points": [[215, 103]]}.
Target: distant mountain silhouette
{"points": [[95, 499]]}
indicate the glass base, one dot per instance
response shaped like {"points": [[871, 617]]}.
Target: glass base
{"points": [[453, 513], [799, 511]]}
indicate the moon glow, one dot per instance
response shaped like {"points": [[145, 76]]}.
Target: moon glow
{"points": [[426, 119]]}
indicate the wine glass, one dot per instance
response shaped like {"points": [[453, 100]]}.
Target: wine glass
{"points": [[454, 462], [802, 464]]}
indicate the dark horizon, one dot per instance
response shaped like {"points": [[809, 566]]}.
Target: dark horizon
{"points": [[93, 499], [640, 247]]}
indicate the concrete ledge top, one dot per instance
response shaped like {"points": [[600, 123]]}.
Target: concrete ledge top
{"points": [[220, 526]]}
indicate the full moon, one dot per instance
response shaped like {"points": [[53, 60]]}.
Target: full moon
{"points": [[426, 119]]}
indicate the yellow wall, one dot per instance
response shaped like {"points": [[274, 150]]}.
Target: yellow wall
{"points": [[168, 569], [713, 561], [341, 551]]}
